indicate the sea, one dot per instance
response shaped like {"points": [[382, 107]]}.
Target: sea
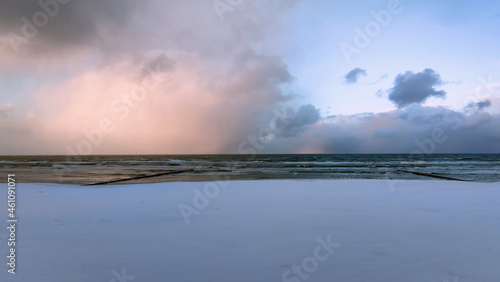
{"points": [[84, 170]]}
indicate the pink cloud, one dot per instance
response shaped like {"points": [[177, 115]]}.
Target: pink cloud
{"points": [[187, 108]]}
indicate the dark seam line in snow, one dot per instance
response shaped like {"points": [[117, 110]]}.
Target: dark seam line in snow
{"points": [[433, 175], [139, 177]]}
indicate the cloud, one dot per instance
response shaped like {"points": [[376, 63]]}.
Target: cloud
{"points": [[189, 110], [353, 76], [477, 106], [105, 29], [415, 88], [415, 129], [483, 104], [179, 120], [88, 62], [157, 65], [298, 121], [56, 29]]}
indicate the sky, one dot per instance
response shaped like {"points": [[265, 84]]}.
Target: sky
{"points": [[244, 77]]}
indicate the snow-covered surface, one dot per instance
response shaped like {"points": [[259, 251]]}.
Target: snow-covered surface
{"points": [[257, 231]]}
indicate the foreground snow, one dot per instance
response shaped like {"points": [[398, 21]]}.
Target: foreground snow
{"points": [[283, 230]]}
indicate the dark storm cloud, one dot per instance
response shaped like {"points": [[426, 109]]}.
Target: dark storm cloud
{"points": [[415, 129], [160, 64], [415, 88], [483, 104], [298, 121], [423, 130], [353, 76], [52, 26], [473, 107], [116, 26]]}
